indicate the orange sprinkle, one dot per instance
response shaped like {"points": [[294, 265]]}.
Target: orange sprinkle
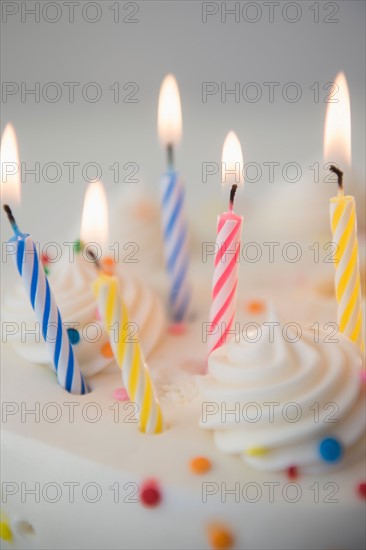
{"points": [[220, 537], [106, 350], [256, 306], [108, 265], [200, 465]]}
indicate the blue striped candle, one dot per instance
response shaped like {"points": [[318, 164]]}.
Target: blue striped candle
{"points": [[47, 313], [175, 245], [173, 216]]}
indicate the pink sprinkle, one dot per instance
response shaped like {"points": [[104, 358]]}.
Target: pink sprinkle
{"points": [[363, 375], [97, 315], [120, 394], [177, 329]]}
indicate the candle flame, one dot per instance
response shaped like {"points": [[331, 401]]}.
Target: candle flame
{"points": [[232, 161], [94, 222], [169, 112], [337, 129], [10, 167]]}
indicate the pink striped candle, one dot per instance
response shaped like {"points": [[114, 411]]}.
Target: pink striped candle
{"points": [[228, 242]]}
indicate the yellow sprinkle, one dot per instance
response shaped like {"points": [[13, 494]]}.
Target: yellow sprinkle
{"points": [[5, 531], [257, 451]]}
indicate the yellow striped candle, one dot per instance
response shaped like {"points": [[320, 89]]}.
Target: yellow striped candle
{"points": [[347, 278], [337, 150], [127, 353]]}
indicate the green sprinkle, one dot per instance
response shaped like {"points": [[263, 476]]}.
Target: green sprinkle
{"points": [[78, 246]]}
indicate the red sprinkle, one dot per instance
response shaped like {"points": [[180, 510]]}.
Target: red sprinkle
{"points": [[177, 329], [361, 489], [292, 472], [45, 259], [150, 493]]}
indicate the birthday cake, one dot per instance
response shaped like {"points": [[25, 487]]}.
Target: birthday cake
{"points": [[257, 445], [77, 473]]}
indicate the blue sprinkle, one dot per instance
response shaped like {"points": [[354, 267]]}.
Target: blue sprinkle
{"points": [[73, 335], [330, 449]]}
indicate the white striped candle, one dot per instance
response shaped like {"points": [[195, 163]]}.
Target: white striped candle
{"points": [[47, 313]]}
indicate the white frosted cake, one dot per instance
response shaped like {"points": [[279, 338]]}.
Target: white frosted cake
{"points": [[77, 473]]}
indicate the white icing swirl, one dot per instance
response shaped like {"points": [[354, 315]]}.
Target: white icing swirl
{"points": [[285, 397], [71, 284]]}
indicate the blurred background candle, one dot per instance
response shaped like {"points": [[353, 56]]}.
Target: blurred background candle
{"points": [[173, 215], [337, 150], [227, 255], [94, 221], [10, 167]]}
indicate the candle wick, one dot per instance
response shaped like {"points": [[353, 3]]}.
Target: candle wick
{"points": [[92, 255], [339, 174], [11, 219], [170, 156], [232, 195]]}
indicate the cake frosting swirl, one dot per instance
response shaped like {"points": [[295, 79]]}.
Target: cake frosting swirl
{"points": [[279, 398], [71, 285]]}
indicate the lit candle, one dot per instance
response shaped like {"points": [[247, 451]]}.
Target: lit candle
{"points": [[94, 220], [113, 312], [47, 313], [173, 215], [10, 167], [337, 149], [228, 241], [36, 284]]}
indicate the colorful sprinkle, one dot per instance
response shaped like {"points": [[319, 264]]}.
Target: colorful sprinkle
{"points": [[292, 472], [220, 537], [97, 315], [46, 270], [5, 531], [120, 394], [73, 335], [256, 306], [107, 351], [24, 528], [200, 465], [45, 259], [257, 451], [330, 449], [177, 329], [78, 246], [150, 493], [108, 264], [363, 375], [361, 489]]}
